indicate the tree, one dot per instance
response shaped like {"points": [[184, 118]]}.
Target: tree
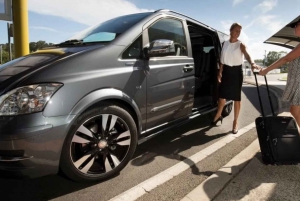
{"points": [[33, 46], [273, 56], [5, 56], [258, 61]]}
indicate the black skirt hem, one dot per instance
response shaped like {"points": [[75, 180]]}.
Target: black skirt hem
{"points": [[230, 87]]}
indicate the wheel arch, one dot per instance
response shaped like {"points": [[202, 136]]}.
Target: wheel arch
{"points": [[110, 95]]}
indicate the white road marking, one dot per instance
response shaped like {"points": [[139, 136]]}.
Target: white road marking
{"points": [[214, 184], [151, 183]]}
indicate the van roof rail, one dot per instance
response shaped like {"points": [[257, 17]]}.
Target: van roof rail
{"points": [[159, 10]]}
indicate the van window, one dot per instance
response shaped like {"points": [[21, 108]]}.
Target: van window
{"points": [[207, 49], [170, 29], [134, 50]]}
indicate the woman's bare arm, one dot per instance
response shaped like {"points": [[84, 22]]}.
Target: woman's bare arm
{"points": [[248, 57], [295, 53], [220, 72]]}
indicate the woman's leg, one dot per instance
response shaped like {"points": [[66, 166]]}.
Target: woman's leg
{"points": [[237, 107], [221, 104], [295, 111]]}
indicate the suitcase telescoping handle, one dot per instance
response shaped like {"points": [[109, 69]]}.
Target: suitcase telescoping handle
{"points": [[259, 97]]}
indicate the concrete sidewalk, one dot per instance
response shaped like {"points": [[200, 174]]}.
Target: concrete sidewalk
{"points": [[245, 177]]}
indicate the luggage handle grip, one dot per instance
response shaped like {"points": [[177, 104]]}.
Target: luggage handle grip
{"points": [[259, 98]]}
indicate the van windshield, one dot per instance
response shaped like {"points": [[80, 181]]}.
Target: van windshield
{"points": [[109, 30]]}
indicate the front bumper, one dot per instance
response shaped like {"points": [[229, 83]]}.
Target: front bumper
{"points": [[30, 145]]}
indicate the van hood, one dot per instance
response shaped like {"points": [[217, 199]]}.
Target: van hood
{"points": [[18, 69]]}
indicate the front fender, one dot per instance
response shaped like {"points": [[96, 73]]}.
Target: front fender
{"points": [[105, 94]]}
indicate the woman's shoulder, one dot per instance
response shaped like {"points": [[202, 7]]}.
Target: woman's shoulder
{"points": [[234, 43], [242, 44], [226, 43]]}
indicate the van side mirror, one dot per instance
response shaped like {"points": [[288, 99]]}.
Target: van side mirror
{"points": [[158, 48]]}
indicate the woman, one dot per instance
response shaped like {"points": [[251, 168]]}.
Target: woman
{"points": [[292, 88], [231, 75]]}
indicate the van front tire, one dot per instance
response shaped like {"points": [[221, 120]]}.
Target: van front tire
{"points": [[100, 144]]}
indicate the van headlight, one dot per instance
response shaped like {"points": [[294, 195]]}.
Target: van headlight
{"points": [[27, 99]]}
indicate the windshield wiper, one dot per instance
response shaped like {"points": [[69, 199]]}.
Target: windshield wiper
{"points": [[79, 42], [73, 41]]}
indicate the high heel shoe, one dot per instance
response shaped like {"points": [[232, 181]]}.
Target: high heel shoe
{"points": [[214, 123], [235, 130]]}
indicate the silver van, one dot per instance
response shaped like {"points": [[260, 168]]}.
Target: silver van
{"points": [[82, 106]]}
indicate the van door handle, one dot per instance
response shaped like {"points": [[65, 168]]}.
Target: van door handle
{"points": [[188, 68]]}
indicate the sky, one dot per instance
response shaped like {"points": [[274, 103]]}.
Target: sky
{"points": [[57, 20]]}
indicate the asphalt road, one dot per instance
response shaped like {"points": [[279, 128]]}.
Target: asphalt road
{"points": [[272, 79], [151, 158]]}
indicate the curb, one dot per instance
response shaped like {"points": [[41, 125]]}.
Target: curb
{"points": [[146, 186], [213, 185]]}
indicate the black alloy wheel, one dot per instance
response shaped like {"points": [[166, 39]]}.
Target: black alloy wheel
{"points": [[101, 144]]}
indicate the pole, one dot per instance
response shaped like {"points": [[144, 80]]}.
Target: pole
{"points": [[265, 58], [20, 24], [1, 54], [9, 43]]}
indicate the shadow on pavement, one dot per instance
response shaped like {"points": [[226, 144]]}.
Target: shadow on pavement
{"points": [[250, 92], [260, 182], [213, 185], [171, 143], [44, 188]]}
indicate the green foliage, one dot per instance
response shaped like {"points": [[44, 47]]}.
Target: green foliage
{"points": [[33, 46], [5, 56], [273, 56]]}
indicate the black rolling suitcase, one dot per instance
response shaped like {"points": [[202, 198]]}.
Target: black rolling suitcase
{"points": [[278, 136]]}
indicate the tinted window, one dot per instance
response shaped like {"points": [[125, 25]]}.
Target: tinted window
{"points": [[172, 30], [134, 50], [109, 30], [2, 7]]}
